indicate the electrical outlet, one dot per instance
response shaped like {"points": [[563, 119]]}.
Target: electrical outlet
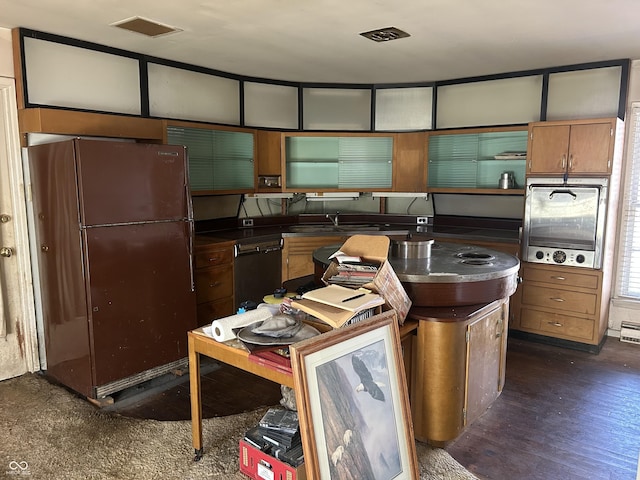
{"points": [[247, 222], [422, 220]]}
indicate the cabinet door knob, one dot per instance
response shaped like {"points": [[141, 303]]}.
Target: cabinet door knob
{"points": [[556, 299], [6, 252], [558, 277]]}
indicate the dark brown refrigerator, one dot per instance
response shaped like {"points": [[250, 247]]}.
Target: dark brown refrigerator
{"points": [[114, 229]]}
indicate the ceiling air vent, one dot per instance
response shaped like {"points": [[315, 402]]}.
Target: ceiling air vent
{"points": [[385, 34], [147, 27]]}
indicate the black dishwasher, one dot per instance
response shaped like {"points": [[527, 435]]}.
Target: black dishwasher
{"points": [[257, 269]]}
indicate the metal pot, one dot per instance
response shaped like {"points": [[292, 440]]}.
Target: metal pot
{"points": [[409, 248], [507, 180]]}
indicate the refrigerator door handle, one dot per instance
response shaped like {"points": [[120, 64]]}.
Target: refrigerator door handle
{"points": [[191, 259]]}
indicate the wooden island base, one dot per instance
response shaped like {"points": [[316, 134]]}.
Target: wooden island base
{"points": [[459, 367]]}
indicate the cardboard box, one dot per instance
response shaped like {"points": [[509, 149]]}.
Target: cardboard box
{"points": [[375, 248], [258, 465]]}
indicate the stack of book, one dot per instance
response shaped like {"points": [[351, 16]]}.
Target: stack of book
{"points": [[339, 306], [278, 435], [277, 359], [353, 272]]}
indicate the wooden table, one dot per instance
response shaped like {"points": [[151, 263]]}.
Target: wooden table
{"points": [[202, 344]]}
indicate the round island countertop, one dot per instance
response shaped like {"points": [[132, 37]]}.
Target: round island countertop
{"points": [[454, 274]]}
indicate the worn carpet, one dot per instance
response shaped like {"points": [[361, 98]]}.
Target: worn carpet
{"points": [[49, 433]]}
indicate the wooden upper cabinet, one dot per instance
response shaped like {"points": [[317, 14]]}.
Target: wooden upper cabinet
{"points": [[582, 148], [269, 152], [409, 164]]}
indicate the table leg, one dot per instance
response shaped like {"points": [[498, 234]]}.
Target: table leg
{"points": [[196, 401]]}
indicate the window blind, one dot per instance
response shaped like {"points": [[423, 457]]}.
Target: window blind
{"points": [[629, 257]]}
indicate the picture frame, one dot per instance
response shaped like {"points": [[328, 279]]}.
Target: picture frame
{"points": [[353, 403]]}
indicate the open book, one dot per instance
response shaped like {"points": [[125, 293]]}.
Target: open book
{"points": [[345, 298], [336, 305]]}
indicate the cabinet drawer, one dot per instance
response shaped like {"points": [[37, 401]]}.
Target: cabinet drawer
{"points": [[561, 278], [207, 312], [214, 283], [577, 302], [208, 257], [557, 325]]}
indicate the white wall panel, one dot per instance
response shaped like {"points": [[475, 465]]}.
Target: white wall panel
{"points": [[188, 95], [336, 109], [274, 106], [66, 76], [492, 102], [584, 94], [404, 109]]}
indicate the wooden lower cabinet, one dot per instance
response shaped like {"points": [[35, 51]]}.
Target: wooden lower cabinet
{"points": [[459, 369], [297, 254], [561, 302], [213, 267]]}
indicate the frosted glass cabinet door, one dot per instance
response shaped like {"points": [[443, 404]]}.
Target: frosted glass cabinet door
{"points": [[218, 159], [476, 160], [338, 162]]}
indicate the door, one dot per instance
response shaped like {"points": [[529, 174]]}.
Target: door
{"points": [[548, 149], [18, 340], [589, 150], [141, 294], [486, 364], [154, 187]]}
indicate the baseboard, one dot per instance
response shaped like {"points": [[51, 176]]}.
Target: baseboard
{"points": [[558, 342]]}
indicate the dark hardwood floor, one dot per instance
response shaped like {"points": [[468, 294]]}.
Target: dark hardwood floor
{"points": [[563, 414]]}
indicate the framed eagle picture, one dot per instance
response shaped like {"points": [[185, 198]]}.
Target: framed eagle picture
{"points": [[353, 404]]}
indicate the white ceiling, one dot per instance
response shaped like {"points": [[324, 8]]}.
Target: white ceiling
{"points": [[319, 41]]}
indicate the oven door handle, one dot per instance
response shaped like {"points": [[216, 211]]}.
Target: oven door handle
{"points": [[568, 192]]}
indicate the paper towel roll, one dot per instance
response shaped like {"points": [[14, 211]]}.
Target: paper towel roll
{"points": [[222, 328]]}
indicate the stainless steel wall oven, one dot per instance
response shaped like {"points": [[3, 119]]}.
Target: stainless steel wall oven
{"points": [[564, 221]]}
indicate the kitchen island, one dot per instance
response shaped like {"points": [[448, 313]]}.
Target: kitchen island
{"points": [[460, 297]]}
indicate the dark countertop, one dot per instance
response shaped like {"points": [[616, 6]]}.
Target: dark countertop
{"points": [[272, 232]]}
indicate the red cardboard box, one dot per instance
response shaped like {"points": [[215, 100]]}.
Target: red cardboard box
{"points": [[260, 466]]}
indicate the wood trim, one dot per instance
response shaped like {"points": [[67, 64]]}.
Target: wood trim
{"points": [[208, 126], [363, 133], [477, 191], [17, 67], [70, 122], [496, 129]]}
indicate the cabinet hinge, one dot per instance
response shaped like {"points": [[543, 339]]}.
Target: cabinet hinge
{"points": [[464, 416], [531, 135], [611, 132], [466, 336]]}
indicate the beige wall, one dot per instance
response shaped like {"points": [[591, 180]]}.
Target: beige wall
{"points": [[6, 55]]}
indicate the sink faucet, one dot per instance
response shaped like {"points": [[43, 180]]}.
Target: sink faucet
{"points": [[334, 219]]}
